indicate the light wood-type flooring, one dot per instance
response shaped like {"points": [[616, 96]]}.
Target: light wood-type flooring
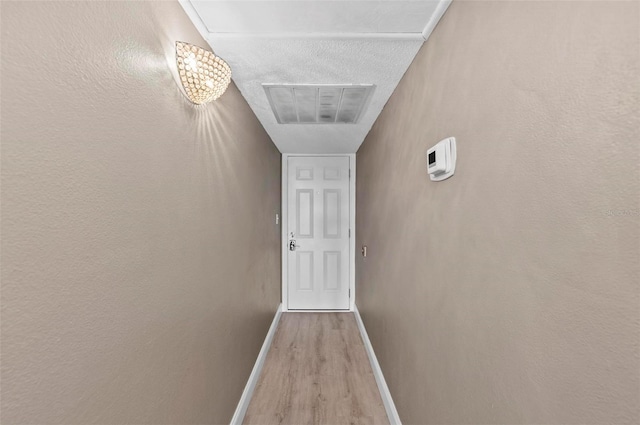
{"points": [[316, 372]]}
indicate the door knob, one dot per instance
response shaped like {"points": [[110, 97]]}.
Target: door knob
{"points": [[292, 245]]}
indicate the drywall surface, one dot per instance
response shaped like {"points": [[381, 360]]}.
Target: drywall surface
{"points": [[303, 61], [140, 256], [315, 42], [510, 292]]}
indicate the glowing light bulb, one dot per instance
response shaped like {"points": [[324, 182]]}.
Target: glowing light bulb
{"points": [[205, 77]]}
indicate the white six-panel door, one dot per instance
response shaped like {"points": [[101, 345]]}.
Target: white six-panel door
{"points": [[318, 233]]}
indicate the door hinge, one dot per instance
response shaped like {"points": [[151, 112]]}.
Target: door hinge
{"points": [[349, 172], [349, 292], [349, 232]]}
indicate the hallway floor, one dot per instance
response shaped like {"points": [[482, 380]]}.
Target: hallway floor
{"points": [[316, 372]]}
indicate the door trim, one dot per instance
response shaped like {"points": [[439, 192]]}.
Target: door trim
{"points": [[352, 226]]}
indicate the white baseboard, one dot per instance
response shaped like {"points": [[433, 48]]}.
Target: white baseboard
{"points": [[243, 404], [389, 406]]}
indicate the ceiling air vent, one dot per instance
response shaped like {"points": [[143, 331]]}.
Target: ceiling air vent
{"points": [[318, 104]]}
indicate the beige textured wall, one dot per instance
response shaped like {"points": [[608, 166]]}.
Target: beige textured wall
{"points": [[510, 292], [140, 256]]}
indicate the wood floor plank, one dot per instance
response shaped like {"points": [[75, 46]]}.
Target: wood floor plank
{"points": [[316, 372]]}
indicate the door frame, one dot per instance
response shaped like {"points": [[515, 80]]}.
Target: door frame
{"points": [[352, 227]]}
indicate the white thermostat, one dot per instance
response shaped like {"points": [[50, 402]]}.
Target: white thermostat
{"points": [[441, 159]]}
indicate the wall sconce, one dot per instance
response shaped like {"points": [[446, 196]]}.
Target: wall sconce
{"points": [[204, 76]]}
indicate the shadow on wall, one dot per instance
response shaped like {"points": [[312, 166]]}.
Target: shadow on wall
{"points": [[212, 136]]}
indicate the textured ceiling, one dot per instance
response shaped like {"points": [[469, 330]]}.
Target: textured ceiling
{"points": [[316, 42]]}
